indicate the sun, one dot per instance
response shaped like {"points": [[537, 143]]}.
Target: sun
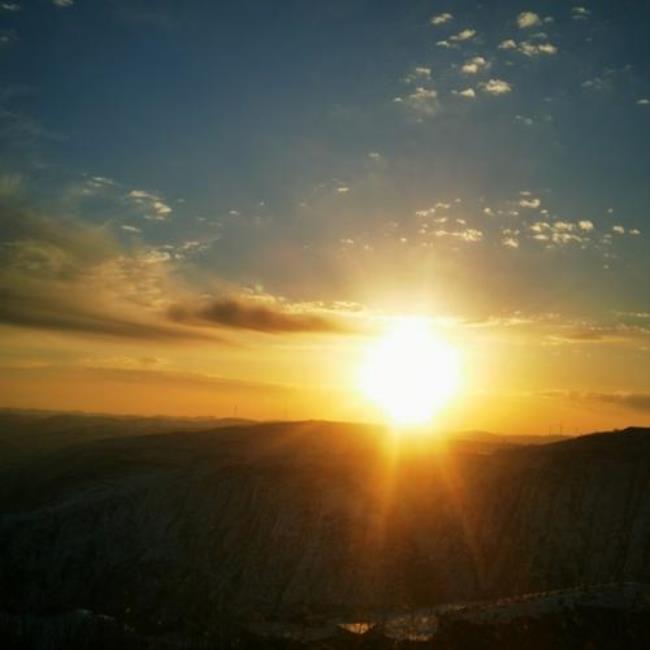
{"points": [[410, 373]]}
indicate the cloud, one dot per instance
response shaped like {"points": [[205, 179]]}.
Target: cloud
{"points": [[522, 119], [441, 19], [631, 401], [418, 73], [536, 49], [261, 315], [643, 102], [562, 232], [468, 93], [580, 13], [464, 35], [153, 205], [508, 44], [63, 3], [530, 203], [10, 6], [423, 101], [474, 65], [527, 19], [62, 275], [129, 228], [470, 235], [496, 87]]}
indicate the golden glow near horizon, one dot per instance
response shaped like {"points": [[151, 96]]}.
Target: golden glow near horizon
{"points": [[410, 373]]}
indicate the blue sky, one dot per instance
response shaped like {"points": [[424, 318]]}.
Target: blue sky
{"points": [[466, 160]]}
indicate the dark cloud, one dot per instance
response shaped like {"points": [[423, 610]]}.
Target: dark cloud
{"points": [[246, 314], [62, 275], [636, 401], [633, 401], [54, 312]]}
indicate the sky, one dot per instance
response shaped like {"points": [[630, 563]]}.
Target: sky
{"points": [[216, 207]]}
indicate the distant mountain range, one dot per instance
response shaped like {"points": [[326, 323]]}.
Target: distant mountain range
{"points": [[174, 527]]}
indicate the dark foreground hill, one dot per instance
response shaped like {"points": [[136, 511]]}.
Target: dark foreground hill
{"points": [[281, 531]]}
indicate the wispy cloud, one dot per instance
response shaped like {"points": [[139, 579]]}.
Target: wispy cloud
{"points": [[580, 13], [537, 49], [418, 73], [422, 101], [631, 401], [71, 277], [464, 35], [63, 3], [471, 235], [153, 205], [441, 19]]}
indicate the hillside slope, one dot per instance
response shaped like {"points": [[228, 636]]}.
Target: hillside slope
{"points": [[285, 521]]}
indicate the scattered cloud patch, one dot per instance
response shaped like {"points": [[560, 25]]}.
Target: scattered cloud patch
{"points": [[468, 93], [154, 207], [508, 44], [470, 235], [532, 203], [536, 49], [580, 13], [527, 19], [423, 101], [496, 87], [441, 19], [63, 3], [522, 119], [418, 73], [464, 35], [474, 65]]}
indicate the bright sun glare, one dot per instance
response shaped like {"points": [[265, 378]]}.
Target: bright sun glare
{"points": [[410, 373]]}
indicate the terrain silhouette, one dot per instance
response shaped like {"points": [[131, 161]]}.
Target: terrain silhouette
{"points": [[289, 532]]}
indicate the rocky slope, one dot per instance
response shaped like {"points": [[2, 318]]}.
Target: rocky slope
{"points": [[176, 532]]}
